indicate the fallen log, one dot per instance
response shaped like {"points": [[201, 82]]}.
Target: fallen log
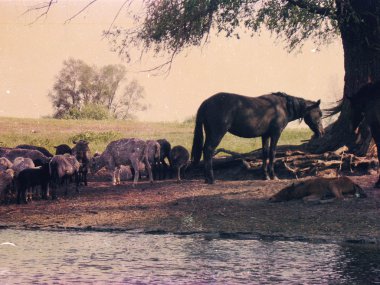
{"points": [[291, 162]]}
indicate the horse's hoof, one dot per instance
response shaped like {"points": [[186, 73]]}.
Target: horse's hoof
{"points": [[275, 178], [210, 181]]}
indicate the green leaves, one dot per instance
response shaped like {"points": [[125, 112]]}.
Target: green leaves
{"points": [[172, 25], [88, 112]]}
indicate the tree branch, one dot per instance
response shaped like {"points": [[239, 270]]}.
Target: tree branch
{"points": [[43, 6], [80, 11], [313, 8], [167, 64], [117, 14]]}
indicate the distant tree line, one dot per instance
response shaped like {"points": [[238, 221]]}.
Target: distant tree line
{"points": [[81, 91]]}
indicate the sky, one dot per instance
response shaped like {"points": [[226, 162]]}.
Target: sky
{"points": [[32, 54]]}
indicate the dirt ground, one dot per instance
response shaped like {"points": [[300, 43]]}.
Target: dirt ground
{"points": [[228, 208]]}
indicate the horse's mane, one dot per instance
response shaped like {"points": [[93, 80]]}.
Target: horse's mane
{"points": [[296, 106]]}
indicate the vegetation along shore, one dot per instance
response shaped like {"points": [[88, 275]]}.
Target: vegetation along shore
{"points": [[236, 206]]}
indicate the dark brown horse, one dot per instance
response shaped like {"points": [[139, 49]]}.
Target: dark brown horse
{"points": [[248, 117], [366, 104]]}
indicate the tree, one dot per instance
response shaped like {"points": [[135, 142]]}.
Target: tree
{"points": [[130, 101], [72, 86], [172, 26], [87, 92]]}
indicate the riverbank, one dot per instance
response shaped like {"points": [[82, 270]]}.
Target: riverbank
{"points": [[237, 209]]}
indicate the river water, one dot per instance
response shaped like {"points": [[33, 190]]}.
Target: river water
{"points": [[48, 257]]}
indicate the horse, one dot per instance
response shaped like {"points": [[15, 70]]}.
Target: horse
{"points": [[250, 117], [365, 104]]}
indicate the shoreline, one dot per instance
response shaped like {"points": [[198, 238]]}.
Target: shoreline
{"points": [[227, 209], [365, 241]]}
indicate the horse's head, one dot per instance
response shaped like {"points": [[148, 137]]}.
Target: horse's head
{"points": [[313, 118]]}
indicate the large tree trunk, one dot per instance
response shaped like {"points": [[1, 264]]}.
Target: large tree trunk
{"points": [[359, 22]]}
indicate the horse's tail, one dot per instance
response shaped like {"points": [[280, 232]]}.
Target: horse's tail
{"points": [[196, 151]]}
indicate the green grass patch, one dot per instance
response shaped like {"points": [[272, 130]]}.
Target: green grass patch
{"points": [[52, 132]]}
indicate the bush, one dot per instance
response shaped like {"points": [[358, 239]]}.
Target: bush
{"points": [[189, 120], [89, 112], [97, 136]]}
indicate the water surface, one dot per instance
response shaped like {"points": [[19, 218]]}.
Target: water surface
{"points": [[47, 257]]}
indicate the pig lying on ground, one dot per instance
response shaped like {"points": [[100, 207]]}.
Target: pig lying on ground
{"points": [[320, 188]]}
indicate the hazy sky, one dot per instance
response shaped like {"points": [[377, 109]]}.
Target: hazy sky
{"points": [[32, 55]]}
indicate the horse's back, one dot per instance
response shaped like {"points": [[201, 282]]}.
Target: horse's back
{"points": [[242, 115], [227, 101]]}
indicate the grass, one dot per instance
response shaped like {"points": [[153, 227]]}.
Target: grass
{"points": [[51, 132]]}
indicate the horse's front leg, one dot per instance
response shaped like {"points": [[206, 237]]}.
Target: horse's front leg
{"points": [[272, 153], [211, 142], [265, 144]]}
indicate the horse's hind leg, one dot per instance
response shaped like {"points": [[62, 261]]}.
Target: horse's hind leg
{"points": [[265, 143], [211, 143], [272, 153], [207, 156]]}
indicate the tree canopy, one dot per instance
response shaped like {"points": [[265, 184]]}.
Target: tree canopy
{"points": [[171, 26]]}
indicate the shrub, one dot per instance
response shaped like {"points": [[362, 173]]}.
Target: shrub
{"points": [[189, 120], [104, 137], [89, 112]]}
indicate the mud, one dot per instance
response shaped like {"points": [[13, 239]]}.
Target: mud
{"points": [[236, 209]]}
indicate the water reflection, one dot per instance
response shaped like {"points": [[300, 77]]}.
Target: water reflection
{"points": [[360, 263], [105, 258]]}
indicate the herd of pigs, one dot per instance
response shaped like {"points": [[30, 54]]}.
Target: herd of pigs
{"points": [[28, 171]]}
